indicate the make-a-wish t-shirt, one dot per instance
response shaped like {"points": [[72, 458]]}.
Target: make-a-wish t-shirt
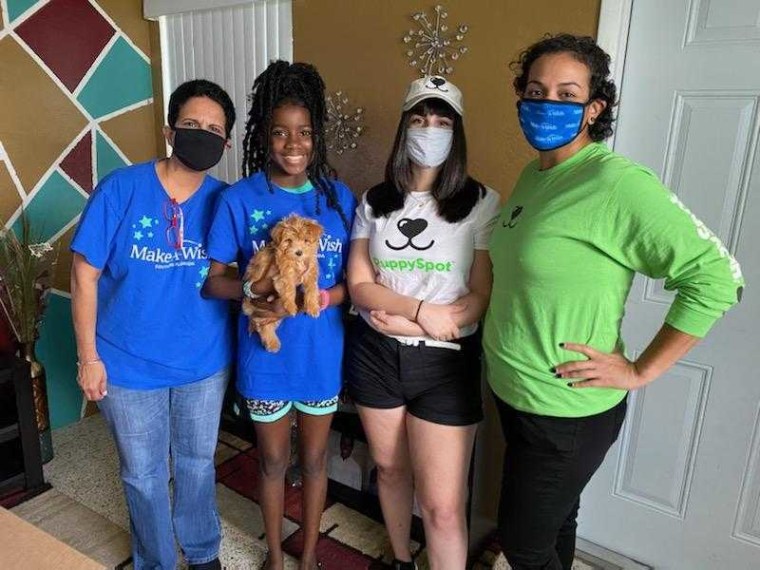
{"points": [[153, 329], [308, 365], [417, 253]]}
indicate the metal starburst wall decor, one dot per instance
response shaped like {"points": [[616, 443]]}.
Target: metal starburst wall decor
{"points": [[343, 127], [433, 48]]}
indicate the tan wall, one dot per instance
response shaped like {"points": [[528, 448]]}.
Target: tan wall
{"points": [[357, 46]]}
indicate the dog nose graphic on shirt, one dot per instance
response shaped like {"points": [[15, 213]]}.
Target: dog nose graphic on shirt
{"points": [[516, 211], [410, 229]]}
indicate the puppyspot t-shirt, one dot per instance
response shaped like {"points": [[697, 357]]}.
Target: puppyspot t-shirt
{"points": [[153, 327], [308, 365], [415, 252]]}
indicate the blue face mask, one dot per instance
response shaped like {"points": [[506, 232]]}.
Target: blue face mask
{"points": [[549, 125]]}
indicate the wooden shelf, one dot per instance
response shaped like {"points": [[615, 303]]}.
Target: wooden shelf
{"points": [[9, 432], [20, 455], [12, 483]]}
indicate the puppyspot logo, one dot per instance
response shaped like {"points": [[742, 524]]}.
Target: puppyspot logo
{"points": [[419, 264], [706, 234], [410, 229], [516, 211]]}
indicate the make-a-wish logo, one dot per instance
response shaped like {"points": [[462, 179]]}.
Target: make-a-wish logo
{"points": [[151, 244], [202, 274], [190, 252], [261, 222], [330, 267], [327, 244]]}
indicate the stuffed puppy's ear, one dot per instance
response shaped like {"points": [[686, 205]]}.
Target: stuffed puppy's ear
{"points": [[277, 232], [313, 229], [281, 228]]}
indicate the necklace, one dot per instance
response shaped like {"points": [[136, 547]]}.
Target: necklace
{"points": [[420, 200]]}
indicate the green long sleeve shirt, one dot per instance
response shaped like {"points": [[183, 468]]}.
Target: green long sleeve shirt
{"points": [[565, 250]]}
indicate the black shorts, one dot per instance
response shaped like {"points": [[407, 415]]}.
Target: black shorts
{"points": [[439, 385]]}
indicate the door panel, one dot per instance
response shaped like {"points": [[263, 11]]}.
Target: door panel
{"points": [[681, 488]]}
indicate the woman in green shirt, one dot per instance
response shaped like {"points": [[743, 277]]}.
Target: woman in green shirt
{"points": [[580, 223]]}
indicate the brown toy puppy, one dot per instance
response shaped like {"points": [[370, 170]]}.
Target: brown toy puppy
{"points": [[290, 259]]}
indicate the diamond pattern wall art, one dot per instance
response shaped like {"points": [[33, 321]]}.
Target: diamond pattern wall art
{"points": [[78, 163], [107, 158], [55, 206], [17, 8], [73, 83], [73, 23], [121, 79]]}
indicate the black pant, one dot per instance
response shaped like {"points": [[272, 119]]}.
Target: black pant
{"points": [[547, 463]]}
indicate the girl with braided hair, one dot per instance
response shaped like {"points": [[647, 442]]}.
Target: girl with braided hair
{"points": [[286, 171]]}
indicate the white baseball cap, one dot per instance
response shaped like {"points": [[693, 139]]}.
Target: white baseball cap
{"points": [[433, 86]]}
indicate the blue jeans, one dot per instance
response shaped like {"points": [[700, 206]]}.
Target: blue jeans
{"points": [[149, 426]]}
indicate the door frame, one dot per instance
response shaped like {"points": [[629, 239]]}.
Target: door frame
{"points": [[612, 37]]}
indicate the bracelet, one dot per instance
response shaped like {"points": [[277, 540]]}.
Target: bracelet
{"points": [[324, 299], [86, 362], [417, 312], [247, 291]]}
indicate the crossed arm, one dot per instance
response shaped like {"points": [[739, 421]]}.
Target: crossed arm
{"points": [[393, 313]]}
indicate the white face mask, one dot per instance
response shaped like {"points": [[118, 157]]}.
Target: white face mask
{"points": [[429, 146]]}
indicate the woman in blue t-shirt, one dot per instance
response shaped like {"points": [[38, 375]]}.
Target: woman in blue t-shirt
{"points": [[152, 352], [286, 171]]}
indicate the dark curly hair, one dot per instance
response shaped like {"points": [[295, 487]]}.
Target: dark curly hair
{"points": [[585, 50], [284, 83], [201, 88]]}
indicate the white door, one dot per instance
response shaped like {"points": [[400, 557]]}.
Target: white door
{"points": [[681, 488]]}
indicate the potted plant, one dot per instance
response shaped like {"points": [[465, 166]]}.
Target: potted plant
{"points": [[26, 267]]}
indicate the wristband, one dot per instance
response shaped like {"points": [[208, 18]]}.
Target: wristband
{"points": [[324, 299], [417, 312], [86, 362], [247, 291]]}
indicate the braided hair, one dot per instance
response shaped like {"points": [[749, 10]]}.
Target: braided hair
{"points": [[284, 83]]}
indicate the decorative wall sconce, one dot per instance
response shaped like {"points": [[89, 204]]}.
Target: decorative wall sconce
{"points": [[432, 47], [343, 127]]}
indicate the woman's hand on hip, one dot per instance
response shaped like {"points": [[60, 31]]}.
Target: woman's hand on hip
{"points": [[601, 370], [91, 378], [438, 321]]}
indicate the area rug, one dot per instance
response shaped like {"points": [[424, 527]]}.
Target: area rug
{"points": [[84, 475], [351, 540]]}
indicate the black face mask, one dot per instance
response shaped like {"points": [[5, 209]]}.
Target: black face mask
{"points": [[198, 149]]}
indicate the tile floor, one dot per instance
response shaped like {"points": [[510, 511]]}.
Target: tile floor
{"points": [[86, 509]]}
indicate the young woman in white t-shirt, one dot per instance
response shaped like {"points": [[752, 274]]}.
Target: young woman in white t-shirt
{"points": [[420, 275]]}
